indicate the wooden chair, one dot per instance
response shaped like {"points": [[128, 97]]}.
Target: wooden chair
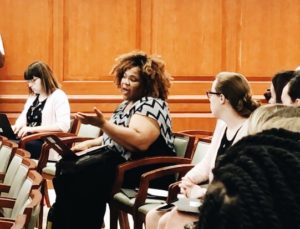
{"points": [[72, 132], [19, 223], [120, 204], [28, 201], [201, 148], [12, 190], [47, 169], [2, 138], [6, 152], [8, 177]]}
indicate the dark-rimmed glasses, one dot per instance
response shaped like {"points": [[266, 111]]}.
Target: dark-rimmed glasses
{"points": [[210, 93]]}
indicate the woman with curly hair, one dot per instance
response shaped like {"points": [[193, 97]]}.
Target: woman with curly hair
{"points": [[139, 127]]}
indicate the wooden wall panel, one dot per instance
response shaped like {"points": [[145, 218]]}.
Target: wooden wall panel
{"points": [[79, 39], [95, 32], [269, 39], [27, 32], [187, 36]]}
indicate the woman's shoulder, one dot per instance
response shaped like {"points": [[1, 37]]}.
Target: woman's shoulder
{"points": [[153, 101], [58, 93]]}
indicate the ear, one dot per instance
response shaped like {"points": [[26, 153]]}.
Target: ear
{"points": [[222, 99]]}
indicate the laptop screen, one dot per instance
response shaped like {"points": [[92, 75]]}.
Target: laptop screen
{"points": [[5, 128]]}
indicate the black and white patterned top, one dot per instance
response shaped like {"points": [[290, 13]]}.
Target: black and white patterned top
{"points": [[151, 107], [34, 113]]}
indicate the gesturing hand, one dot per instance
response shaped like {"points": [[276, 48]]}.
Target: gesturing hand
{"points": [[95, 120]]}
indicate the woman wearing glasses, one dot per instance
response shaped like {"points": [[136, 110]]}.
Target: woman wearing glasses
{"points": [[46, 109], [231, 103]]}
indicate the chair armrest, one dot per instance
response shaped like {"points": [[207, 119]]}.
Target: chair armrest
{"points": [[68, 140], [4, 188], [155, 174], [6, 202], [8, 223], [37, 136], [125, 167], [173, 191]]}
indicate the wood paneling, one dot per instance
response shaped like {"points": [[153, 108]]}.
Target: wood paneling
{"points": [[187, 36], [80, 39], [95, 32], [269, 36]]}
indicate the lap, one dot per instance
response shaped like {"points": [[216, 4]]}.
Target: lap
{"points": [[177, 219]]}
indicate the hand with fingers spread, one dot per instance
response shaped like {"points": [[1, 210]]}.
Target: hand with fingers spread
{"points": [[95, 120]]}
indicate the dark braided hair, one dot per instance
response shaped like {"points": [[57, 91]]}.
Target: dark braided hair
{"points": [[256, 184]]}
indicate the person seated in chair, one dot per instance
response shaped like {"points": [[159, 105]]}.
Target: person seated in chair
{"points": [[280, 79], [231, 103], [256, 184], [139, 127], [291, 92], [46, 109]]}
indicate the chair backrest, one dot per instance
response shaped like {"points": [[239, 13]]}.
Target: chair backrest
{"points": [[32, 181], [89, 131], [2, 138], [14, 165], [201, 149], [6, 224], [202, 142], [6, 151], [32, 208], [184, 144], [19, 177]]}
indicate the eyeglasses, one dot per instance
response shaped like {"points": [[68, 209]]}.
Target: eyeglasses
{"points": [[32, 80], [210, 93]]}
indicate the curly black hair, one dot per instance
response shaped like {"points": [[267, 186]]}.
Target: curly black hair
{"points": [[256, 184]]}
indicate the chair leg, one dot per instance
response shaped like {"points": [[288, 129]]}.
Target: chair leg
{"points": [[113, 212], [138, 223], [41, 214], [123, 219], [46, 193]]}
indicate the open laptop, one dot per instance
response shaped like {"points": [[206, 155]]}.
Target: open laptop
{"points": [[5, 128]]}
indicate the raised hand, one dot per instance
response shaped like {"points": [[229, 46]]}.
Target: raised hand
{"points": [[95, 120]]}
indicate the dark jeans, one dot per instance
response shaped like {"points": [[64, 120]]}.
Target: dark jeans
{"points": [[34, 147]]}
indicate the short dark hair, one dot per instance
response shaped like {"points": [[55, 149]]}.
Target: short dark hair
{"points": [[294, 88], [279, 81]]}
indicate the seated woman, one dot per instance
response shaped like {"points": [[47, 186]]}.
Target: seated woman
{"points": [[291, 92], [46, 109], [231, 103], [273, 95], [274, 116], [139, 127], [256, 185]]}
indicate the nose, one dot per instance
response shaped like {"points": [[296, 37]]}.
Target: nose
{"points": [[125, 81]]}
